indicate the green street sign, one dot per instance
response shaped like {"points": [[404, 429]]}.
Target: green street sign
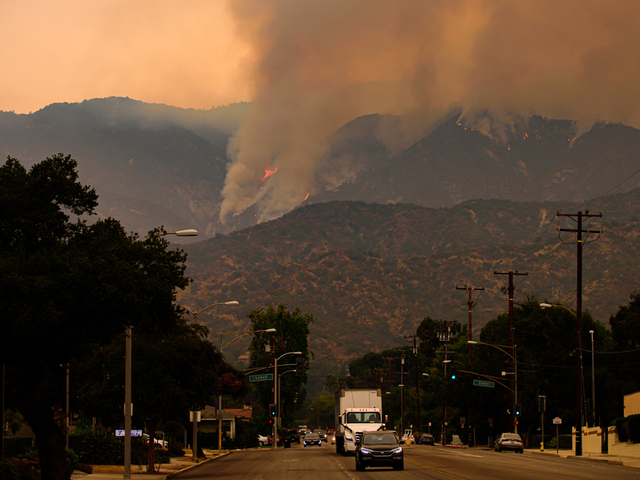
{"points": [[483, 383], [261, 378]]}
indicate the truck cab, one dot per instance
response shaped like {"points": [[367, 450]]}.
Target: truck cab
{"points": [[354, 421]]}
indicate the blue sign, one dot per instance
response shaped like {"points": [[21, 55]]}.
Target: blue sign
{"points": [[134, 433]]}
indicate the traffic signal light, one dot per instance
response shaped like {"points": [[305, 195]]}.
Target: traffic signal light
{"points": [[518, 409], [454, 371], [542, 403], [300, 365], [273, 409]]}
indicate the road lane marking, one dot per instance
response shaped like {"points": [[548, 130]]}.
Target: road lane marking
{"points": [[342, 467]]}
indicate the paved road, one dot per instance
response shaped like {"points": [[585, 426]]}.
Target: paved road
{"points": [[421, 462]]}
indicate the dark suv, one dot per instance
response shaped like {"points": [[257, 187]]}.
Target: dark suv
{"points": [[379, 449], [294, 436]]}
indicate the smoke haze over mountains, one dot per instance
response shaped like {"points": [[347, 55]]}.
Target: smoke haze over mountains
{"points": [[321, 64]]}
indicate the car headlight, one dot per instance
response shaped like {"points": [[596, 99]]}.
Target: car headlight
{"points": [[397, 450], [348, 438], [366, 451]]}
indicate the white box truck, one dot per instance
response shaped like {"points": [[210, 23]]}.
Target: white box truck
{"points": [[357, 410]]}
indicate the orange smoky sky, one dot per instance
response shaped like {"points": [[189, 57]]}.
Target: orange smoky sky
{"points": [[309, 66], [321, 64], [181, 53]]}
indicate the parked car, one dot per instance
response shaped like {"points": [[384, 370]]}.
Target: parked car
{"points": [[427, 439], [156, 441], [312, 439], [263, 440], [379, 449], [509, 441]]}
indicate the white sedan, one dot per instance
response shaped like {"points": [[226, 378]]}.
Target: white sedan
{"points": [[262, 440]]}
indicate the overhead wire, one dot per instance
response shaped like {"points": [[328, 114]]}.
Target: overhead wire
{"points": [[535, 243], [605, 193]]}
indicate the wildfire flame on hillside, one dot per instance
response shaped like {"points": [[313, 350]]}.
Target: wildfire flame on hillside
{"points": [[268, 173]]}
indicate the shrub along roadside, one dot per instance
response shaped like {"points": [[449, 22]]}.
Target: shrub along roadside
{"points": [[628, 428]]}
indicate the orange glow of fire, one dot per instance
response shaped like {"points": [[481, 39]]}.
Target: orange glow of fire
{"points": [[305, 198], [268, 173]]}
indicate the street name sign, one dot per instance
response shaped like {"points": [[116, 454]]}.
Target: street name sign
{"points": [[134, 433], [483, 383], [261, 378]]}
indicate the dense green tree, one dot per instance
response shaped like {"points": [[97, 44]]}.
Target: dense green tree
{"points": [[545, 348], [68, 287], [621, 364], [172, 373], [292, 333]]}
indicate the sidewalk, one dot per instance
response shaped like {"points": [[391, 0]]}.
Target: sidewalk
{"points": [[166, 470], [590, 457]]}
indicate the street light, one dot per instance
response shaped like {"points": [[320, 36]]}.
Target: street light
{"points": [[578, 422], [232, 303], [275, 396], [593, 379], [514, 358], [557, 305], [128, 407], [222, 347]]}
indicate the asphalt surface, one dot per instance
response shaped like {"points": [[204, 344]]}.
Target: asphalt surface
{"points": [[421, 461]]}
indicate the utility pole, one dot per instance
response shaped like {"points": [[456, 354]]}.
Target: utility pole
{"points": [[402, 394], [470, 304], [444, 335], [389, 419], [389, 423], [579, 217], [274, 430], [415, 355], [511, 341]]}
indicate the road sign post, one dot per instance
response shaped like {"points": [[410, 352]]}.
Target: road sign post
{"points": [[557, 422]]}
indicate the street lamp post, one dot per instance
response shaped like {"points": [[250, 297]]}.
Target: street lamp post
{"points": [[275, 396], [222, 347], [578, 422], [593, 379], [280, 390], [128, 407], [194, 441], [514, 358]]}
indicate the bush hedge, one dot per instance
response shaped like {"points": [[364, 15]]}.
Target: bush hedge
{"points": [[8, 471], [16, 447]]}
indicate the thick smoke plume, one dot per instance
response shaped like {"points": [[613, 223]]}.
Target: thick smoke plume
{"points": [[323, 63]]}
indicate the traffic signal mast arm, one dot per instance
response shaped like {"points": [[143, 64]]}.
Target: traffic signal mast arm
{"points": [[495, 379]]}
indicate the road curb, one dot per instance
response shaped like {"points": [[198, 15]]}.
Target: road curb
{"points": [[195, 465], [583, 459], [601, 460]]}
